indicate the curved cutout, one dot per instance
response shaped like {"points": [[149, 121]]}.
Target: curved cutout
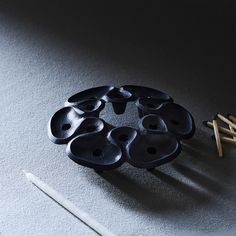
{"points": [[63, 125], [92, 125], [150, 151], [122, 137], [152, 124], [149, 105], [94, 151], [90, 107], [178, 120], [140, 92], [94, 93]]}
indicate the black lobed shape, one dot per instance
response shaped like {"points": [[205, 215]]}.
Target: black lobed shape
{"points": [[154, 145], [152, 150], [93, 93], [66, 124], [89, 107], [152, 124], [122, 137], [63, 125], [149, 105], [93, 143], [102, 154], [144, 92], [178, 120]]}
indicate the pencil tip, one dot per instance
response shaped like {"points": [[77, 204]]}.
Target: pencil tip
{"points": [[26, 173], [204, 122]]}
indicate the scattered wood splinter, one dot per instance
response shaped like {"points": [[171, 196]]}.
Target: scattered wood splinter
{"points": [[232, 118], [227, 121], [221, 129], [230, 132], [217, 137]]}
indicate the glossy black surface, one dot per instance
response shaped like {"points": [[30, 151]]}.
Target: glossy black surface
{"points": [[94, 143]]}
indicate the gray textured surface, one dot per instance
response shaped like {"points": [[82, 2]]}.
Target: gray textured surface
{"points": [[41, 65]]}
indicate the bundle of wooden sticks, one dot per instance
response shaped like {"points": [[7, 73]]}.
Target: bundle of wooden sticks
{"points": [[223, 134]]}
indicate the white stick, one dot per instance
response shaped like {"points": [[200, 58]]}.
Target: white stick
{"points": [[68, 205]]}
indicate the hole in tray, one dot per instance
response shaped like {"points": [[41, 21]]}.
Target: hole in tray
{"points": [[91, 128], [118, 95], [153, 126], [151, 150], [97, 152], [89, 107], [123, 137], [150, 105], [175, 122], [66, 126]]}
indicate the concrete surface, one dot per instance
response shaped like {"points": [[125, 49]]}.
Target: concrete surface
{"points": [[51, 51]]}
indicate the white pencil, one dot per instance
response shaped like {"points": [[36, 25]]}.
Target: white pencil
{"points": [[68, 205]]}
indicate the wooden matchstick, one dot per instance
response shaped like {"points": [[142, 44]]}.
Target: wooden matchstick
{"points": [[232, 129], [68, 205], [217, 137], [227, 121], [220, 128], [228, 140], [232, 118]]}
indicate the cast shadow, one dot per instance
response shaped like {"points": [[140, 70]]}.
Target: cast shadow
{"points": [[193, 179], [151, 197]]}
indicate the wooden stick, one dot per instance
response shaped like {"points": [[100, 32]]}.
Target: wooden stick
{"points": [[217, 137], [221, 129], [228, 140], [227, 121], [232, 129], [225, 139], [232, 118], [68, 205]]}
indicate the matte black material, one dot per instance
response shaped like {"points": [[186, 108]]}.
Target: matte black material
{"points": [[94, 143]]}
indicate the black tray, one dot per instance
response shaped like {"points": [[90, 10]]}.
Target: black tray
{"points": [[94, 143]]}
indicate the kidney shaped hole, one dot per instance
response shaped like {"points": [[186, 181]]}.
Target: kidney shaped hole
{"points": [[91, 128], [90, 107], [150, 105], [151, 150], [119, 95], [175, 122], [123, 137], [153, 126], [97, 152], [66, 126]]}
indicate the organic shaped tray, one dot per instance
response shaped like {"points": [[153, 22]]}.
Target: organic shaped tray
{"points": [[94, 143]]}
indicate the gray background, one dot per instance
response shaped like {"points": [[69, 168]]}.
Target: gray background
{"points": [[49, 51]]}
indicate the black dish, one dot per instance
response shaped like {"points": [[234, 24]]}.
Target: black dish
{"points": [[94, 143]]}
